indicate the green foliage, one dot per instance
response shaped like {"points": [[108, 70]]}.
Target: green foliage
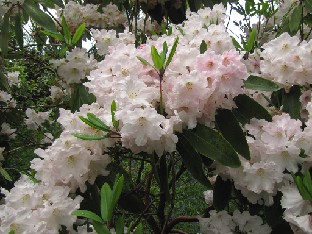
{"points": [[248, 108], [304, 185], [221, 193], [40, 17], [192, 160], [232, 132], [261, 84], [213, 145]]}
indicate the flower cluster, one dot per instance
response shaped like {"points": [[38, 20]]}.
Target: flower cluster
{"points": [[76, 14], [221, 222], [287, 61], [75, 67]]}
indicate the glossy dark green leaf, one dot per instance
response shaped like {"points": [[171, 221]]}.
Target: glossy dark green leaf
{"points": [[221, 193], [79, 97], [192, 160], [295, 20], [89, 137], [249, 108], [18, 26], [261, 84], [213, 145], [172, 51], [203, 47], [88, 214], [5, 174], [291, 102], [158, 63], [78, 34], [40, 17], [5, 34], [100, 228], [232, 132]]}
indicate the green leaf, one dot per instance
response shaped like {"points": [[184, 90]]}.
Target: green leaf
{"points": [[259, 83], [79, 32], [232, 132], [100, 228], [221, 193], [139, 229], [89, 137], [163, 54], [291, 102], [93, 125], [308, 5], [120, 225], [106, 202], [3, 81], [5, 174], [40, 17], [79, 97], [192, 160], [5, 34], [295, 20], [172, 51], [117, 189], [212, 144], [307, 181], [19, 31], [302, 189], [113, 110], [66, 31], [88, 214], [54, 35], [236, 44], [12, 232], [251, 40], [158, 63], [249, 108], [203, 47], [97, 122], [142, 60]]}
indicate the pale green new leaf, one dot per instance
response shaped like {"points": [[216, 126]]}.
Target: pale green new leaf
{"points": [[172, 51], [66, 31], [89, 137], [158, 63], [79, 32], [88, 214]]}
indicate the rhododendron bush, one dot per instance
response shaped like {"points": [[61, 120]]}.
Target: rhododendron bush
{"points": [[165, 90]]}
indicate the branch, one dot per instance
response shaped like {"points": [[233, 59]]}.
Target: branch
{"points": [[180, 219]]}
